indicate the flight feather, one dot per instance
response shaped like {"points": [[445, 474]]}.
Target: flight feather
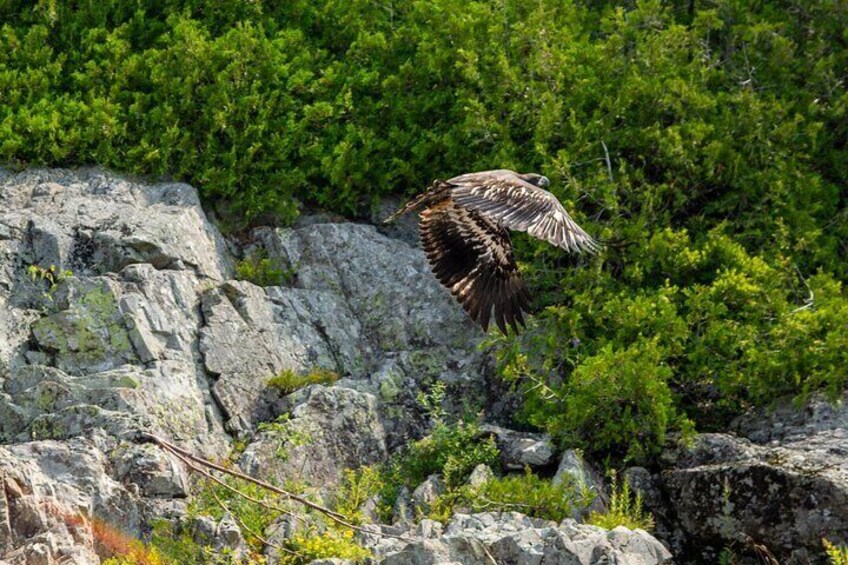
{"points": [[464, 231]]}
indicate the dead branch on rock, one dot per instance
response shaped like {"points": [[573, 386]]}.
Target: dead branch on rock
{"points": [[201, 466]]}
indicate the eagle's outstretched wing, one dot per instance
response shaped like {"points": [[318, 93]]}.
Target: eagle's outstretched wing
{"points": [[472, 256], [518, 205]]}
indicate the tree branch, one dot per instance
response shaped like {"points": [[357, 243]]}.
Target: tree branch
{"points": [[192, 461]]}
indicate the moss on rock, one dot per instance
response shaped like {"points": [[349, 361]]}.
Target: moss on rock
{"points": [[89, 334]]}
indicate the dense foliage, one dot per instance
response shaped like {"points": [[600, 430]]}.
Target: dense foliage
{"points": [[704, 139], [452, 451]]}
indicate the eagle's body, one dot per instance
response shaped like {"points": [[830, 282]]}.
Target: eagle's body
{"points": [[464, 232]]}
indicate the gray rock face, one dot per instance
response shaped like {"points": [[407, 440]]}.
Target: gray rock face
{"points": [[59, 503], [388, 285], [329, 429], [251, 334], [426, 494], [109, 338], [574, 467], [520, 449], [511, 537], [105, 340], [361, 305], [118, 313], [92, 222], [785, 498], [778, 491], [136, 325], [114, 352], [384, 322]]}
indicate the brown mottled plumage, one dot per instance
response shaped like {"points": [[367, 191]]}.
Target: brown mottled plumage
{"points": [[464, 232]]}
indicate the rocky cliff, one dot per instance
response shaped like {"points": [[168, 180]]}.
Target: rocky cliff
{"points": [[119, 312]]}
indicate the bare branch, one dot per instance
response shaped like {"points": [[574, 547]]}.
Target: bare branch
{"points": [[607, 159], [245, 527], [192, 461], [810, 302], [335, 516]]}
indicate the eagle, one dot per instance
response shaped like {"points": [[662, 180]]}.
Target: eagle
{"points": [[464, 231]]}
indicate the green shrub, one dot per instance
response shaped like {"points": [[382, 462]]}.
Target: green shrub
{"points": [[253, 519], [453, 451], [526, 493], [625, 509], [174, 544], [356, 487], [711, 331], [261, 271], [836, 554], [618, 398], [286, 434], [450, 450], [288, 381], [726, 111], [330, 544]]}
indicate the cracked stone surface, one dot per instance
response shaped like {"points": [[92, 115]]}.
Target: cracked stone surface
{"points": [[510, 537], [118, 312], [780, 484]]}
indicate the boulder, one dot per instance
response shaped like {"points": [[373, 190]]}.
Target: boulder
{"points": [[510, 537], [481, 475], [784, 499], [357, 303], [59, 504], [328, 429], [774, 488], [426, 494], [521, 449], [222, 535], [157, 474], [575, 468], [402, 512]]}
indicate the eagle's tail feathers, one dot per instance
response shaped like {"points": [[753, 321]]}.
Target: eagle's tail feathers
{"points": [[422, 199]]}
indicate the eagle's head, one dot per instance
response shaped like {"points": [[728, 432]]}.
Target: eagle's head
{"points": [[536, 180]]}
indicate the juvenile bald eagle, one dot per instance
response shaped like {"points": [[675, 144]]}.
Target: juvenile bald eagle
{"points": [[464, 232]]}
